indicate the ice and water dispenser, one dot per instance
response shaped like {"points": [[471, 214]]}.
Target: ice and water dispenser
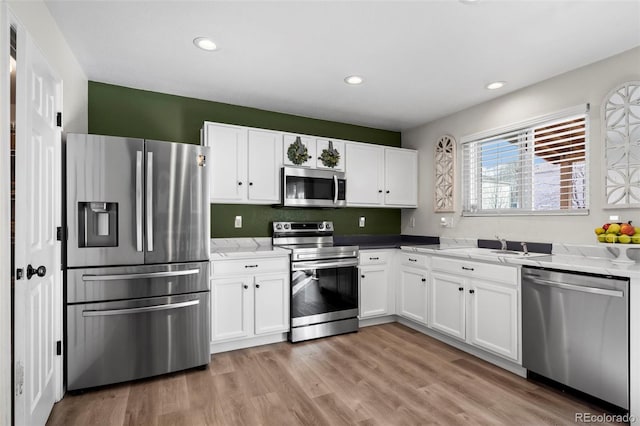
{"points": [[97, 224]]}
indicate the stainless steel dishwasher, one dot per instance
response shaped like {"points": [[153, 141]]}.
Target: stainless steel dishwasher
{"points": [[575, 331]]}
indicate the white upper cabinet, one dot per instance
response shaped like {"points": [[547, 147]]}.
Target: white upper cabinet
{"points": [[381, 177], [365, 174], [265, 161], [330, 158], [245, 164], [296, 157], [400, 177]]}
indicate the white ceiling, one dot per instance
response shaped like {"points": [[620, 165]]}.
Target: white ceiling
{"points": [[421, 60]]}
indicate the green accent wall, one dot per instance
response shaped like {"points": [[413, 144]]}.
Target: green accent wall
{"points": [[122, 111]]}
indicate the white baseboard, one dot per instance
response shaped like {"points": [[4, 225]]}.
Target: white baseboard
{"points": [[217, 347]]}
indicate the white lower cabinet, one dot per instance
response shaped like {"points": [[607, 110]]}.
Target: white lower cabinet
{"points": [[413, 287], [477, 303], [377, 296], [245, 305]]}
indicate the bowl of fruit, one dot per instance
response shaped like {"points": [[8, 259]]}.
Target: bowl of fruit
{"points": [[621, 235]]}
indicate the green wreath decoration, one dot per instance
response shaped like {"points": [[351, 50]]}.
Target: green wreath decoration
{"points": [[330, 156], [297, 153]]}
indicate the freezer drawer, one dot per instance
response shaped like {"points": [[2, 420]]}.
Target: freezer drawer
{"points": [[119, 341], [129, 282]]}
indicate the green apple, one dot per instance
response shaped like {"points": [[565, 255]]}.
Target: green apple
{"points": [[611, 238], [624, 239], [635, 238]]}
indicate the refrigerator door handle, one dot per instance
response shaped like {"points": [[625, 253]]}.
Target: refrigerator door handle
{"points": [[138, 200], [101, 313], [149, 201], [161, 274]]}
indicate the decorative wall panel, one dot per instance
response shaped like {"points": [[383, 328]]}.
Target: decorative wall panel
{"points": [[621, 134], [445, 154]]}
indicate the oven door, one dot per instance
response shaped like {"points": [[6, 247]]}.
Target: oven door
{"points": [[313, 188], [323, 290]]}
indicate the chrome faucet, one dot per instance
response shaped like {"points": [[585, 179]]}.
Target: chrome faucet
{"points": [[503, 243], [524, 248]]}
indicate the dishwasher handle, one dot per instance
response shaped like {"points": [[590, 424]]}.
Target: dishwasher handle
{"points": [[584, 289]]}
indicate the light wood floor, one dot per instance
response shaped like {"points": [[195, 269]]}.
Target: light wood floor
{"points": [[382, 375]]}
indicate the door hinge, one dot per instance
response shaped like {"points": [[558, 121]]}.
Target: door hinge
{"points": [[59, 119], [59, 347], [19, 378], [19, 273], [59, 233]]}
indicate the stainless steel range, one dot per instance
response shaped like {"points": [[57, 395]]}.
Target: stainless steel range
{"points": [[324, 280]]}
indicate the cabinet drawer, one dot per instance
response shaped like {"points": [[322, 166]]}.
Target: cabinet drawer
{"points": [[415, 260], [487, 271], [249, 266], [373, 257]]}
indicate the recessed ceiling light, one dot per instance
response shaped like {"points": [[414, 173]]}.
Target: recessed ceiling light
{"points": [[205, 43], [353, 79], [496, 85]]}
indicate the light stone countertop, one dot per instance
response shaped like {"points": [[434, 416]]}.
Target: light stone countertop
{"points": [[242, 248], [578, 258]]}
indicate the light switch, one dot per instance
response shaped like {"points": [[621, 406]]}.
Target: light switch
{"points": [[361, 222], [238, 222]]}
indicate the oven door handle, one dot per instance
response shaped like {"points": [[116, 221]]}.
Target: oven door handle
{"points": [[323, 264]]}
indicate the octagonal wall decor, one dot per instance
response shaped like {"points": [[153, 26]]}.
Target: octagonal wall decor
{"points": [[621, 134], [445, 155]]}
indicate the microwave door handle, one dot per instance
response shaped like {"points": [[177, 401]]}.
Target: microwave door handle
{"points": [[149, 201], [335, 189], [138, 200]]}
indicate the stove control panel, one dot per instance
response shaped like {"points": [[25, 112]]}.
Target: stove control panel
{"points": [[303, 227]]}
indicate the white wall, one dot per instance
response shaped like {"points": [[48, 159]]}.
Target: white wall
{"points": [[36, 19], [589, 84]]}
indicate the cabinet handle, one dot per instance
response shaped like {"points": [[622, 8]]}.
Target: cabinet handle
{"points": [[413, 260], [361, 276], [257, 285], [374, 258], [467, 269], [379, 191], [239, 183], [471, 291], [424, 279], [388, 191], [250, 266], [245, 286], [460, 288], [250, 183]]}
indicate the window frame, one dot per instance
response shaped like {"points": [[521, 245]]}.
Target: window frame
{"points": [[526, 126]]}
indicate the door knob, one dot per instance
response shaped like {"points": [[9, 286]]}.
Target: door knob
{"points": [[41, 271]]}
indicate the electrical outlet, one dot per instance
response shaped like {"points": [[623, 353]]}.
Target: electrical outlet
{"points": [[238, 222], [361, 222], [614, 218]]}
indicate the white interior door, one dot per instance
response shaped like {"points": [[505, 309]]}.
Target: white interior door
{"points": [[38, 301]]}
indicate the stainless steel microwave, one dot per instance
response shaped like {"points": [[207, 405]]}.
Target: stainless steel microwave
{"points": [[313, 188]]}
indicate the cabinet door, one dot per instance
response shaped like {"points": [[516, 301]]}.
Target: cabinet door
{"points": [[265, 161], [493, 322], [374, 296], [413, 295], [231, 301], [228, 162], [322, 144], [311, 151], [365, 174], [271, 293], [447, 304], [401, 177]]}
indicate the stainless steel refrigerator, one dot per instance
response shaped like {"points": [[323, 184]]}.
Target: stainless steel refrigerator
{"points": [[137, 249]]}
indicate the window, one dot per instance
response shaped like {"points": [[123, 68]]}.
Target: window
{"points": [[539, 166]]}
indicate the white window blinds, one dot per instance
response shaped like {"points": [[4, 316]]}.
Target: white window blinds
{"points": [[537, 166]]}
